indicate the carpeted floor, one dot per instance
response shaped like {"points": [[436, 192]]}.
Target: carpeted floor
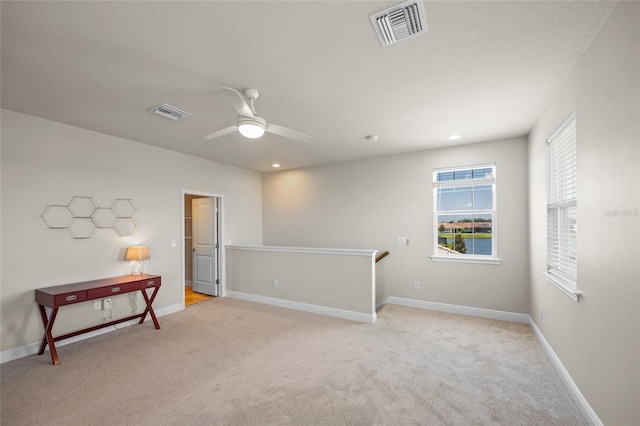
{"points": [[231, 362]]}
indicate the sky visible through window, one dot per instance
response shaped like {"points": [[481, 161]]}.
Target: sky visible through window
{"points": [[464, 207]]}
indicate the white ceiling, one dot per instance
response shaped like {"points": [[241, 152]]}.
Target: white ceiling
{"points": [[485, 70]]}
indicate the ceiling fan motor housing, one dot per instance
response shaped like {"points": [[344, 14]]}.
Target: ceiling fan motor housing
{"points": [[251, 93]]}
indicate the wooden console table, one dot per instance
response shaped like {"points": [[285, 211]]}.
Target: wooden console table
{"points": [[68, 294]]}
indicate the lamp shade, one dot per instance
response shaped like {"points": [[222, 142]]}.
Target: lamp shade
{"points": [[137, 253]]}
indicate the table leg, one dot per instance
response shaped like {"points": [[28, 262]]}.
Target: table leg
{"points": [[47, 339], [149, 308]]}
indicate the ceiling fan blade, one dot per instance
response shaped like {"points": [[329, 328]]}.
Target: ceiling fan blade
{"points": [[289, 133], [238, 102], [222, 132]]}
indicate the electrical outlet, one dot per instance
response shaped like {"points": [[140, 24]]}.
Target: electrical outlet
{"points": [[416, 285], [106, 304], [275, 283], [97, 305], [541, 311]]}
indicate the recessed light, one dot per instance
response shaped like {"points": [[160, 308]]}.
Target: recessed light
{"points": [[275, 165], [454, 137]]}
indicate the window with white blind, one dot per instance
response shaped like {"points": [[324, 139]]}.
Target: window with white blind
{"points": [[465, 214], [562, 206]]}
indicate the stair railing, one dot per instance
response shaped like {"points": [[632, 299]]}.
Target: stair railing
{"points": [[382, 256]]}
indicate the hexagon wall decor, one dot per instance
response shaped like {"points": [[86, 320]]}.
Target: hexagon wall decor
{"points": [[82, 227], [125, 226], [82, 206], [56, 216], [123, 207], [81, 217], [104, 217]]}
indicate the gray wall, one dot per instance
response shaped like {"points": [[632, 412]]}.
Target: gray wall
{"points": [[368, 203], [598, 339], [332, 279], [45, 162]]}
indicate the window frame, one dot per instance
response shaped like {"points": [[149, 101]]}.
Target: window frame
{"points": [[457, 183], [561, 198]]}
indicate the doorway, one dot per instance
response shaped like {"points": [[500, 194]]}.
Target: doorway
{"points": [[202, 266]]}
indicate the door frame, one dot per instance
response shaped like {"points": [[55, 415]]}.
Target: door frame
{"points": [[222, 289]]}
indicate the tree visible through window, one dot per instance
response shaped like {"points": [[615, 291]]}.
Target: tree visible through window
{"points": [[464, 212]]}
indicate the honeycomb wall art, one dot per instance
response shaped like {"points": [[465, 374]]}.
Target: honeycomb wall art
{"points": [[82, 217]]}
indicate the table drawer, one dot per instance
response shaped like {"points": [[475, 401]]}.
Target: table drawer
{"points": [[69, 298], [97, 293], [150, 283]]}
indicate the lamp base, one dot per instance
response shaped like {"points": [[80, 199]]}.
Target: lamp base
{"points": [[137, 268]]}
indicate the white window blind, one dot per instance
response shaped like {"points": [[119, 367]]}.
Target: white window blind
{"points": [[562, 203]]}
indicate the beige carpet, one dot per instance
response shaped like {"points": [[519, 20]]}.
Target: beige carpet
{"points": [[231, 362]]}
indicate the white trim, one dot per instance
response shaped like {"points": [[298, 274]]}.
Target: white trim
{"points": [[456, 309], [465, 259], [578, 397], [309, 250], [306, 307], [32, 349], [558, 282]]}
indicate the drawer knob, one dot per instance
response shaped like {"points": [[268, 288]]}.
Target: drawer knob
{"points": [[115, 289], [72, 297], [150, 282]]}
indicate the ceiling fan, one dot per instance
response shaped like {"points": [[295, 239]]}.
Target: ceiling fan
{"points": [[250, 124]]}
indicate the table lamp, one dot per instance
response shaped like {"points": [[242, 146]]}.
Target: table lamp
{"points": [[137, 253]]}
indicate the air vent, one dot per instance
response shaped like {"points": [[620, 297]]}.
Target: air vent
{"points": [[167, 111], [400, 22]]}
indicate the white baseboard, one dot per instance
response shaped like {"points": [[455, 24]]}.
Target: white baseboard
{"points": [[588, 412], [32, 349], [299, 306], [456, 309]]}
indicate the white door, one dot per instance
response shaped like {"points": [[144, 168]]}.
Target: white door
{"points": [[205, 242]]}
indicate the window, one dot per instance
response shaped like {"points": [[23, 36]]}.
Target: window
{"points": [[562, 205], [464, 214]]}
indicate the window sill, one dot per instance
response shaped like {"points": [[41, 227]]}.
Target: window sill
{"points": [[460, 259], [564, 288]]}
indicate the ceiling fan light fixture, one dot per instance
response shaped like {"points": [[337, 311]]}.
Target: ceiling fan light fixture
{"points": [[251, 128], [251, 125]]}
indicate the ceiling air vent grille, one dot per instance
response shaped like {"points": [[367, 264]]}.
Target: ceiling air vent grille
{"points": [[399, 22], [167, 111]]}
